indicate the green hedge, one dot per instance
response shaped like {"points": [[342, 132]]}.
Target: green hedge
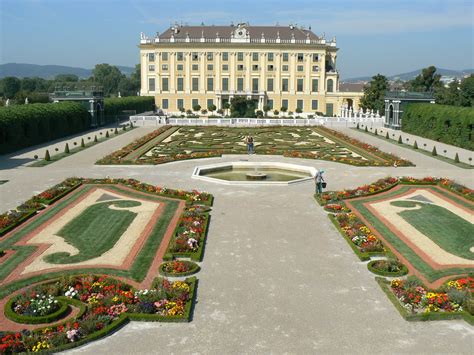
{"points": [[115, 105], [448, 124], [49, 318], [22, 126]]}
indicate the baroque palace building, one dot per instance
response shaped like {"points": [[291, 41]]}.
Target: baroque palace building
{"points": [[277, 66]]}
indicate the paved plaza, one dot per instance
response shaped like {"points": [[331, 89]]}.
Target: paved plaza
{"points": [[277, 277]]}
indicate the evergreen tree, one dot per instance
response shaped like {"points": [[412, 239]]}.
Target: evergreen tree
{"points": [[428, 80], [107, 135], [387, 136], [47, 157], [376, 132], [83, 145], [415, 145], [66, 149], [95, 138], [116, 130], [456, 158], [433, 152], [374, 94], [400, 141]]}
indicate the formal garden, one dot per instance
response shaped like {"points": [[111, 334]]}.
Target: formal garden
{"points": [[417, 227], [170, 143], [84, 257]]}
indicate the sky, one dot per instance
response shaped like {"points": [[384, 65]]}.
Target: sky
{"points": [[374, 36]]}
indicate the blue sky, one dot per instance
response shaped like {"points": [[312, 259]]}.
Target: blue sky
{"points": [[374, 36]]}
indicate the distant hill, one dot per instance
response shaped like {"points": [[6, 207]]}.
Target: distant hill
{"points": [[21, 70], [413, 74]]}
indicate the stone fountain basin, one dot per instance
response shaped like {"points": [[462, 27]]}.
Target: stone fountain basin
{"points": [[308, 172]]}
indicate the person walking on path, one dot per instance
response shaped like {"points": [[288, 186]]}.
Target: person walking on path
{"points": [[249, 141], [320, 183]]}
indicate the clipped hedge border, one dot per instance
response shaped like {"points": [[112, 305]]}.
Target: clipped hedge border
{"points": [[62, 194], [49, 318], [17, 223], [376, 271], [385, 285], [194, 269], [363, 256]]}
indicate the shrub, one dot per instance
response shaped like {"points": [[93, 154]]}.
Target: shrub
{"points": [[387, 136], [116, 105], [400, 141], [357, 126], [443, 123], [276, 112], [365, 129], [66, 149], [415, 145], [116, 130], [83, 145], [22, 126], [95, 139], [375, 132], [107, 135], [433, 152], [456, 158], [47, 157]]}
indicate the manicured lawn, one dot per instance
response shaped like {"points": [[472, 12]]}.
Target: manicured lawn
{"points": [[451, 232], [94, 231]]}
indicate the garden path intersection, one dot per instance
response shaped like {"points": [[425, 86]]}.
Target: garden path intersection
{"points": [[276, 277]]}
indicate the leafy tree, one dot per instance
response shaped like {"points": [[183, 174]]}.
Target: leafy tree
{"points": [[241, 107], [10, 85], [67, 78], [467, 91], [298, 110], [212, 107], [196, 108], [283, 109], [108, 76], [428, 80], [374, 93]]}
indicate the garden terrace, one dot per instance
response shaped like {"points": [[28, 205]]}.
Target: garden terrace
{"points": [[117, 229], [177, 143]]}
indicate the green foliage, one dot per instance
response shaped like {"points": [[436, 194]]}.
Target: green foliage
{"points": [[241, 107], [447, 124], [428, 80], [108, 76], [276, 112], [365, 129], [358, 126], [400, 140], [212, 108], [197, 108], [107, 135], [298, 110], [26, 125], [433, 152], [387, 136], [95, 139], [115, 106], [66, 149], [376, 132], [116, 130], [259, 113], [266, 108], [47, 157], [283, 109], [456, 158], [67, 78], [374, 93], [10, 86], [415, 145]]}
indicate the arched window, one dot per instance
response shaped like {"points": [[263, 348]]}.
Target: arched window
{"points": [[330, 85]]}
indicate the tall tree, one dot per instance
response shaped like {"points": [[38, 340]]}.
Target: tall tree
{"points": [[108, 76], [67, 78], [10, 86], [374, 93], [428, 80], [467, 91]]}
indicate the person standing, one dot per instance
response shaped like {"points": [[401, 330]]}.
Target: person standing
{"points": [[249, 141], [319, 179]]}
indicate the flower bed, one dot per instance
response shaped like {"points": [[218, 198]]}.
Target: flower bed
{"points": [[385, 184], [178, 268], [108, 304], [392, 268], [189, 237], [336, 208], [36, 308], [56, 192]]}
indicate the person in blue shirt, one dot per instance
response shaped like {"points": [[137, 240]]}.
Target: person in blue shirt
{"points": [[319, 181]]}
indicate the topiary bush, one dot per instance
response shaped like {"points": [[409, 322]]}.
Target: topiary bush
{"points": [[415, 145], [47, 157], [434, 152], [66, 149]]}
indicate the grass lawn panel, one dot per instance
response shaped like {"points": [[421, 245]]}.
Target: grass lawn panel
{"points": [[414, 259], [448, 230], [90, 235]]}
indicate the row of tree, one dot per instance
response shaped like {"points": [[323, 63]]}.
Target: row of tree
{"points": [[456, 94], [109, 77]]}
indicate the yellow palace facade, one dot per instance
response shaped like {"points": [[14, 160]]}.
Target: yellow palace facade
{"points": [[277, 66]]}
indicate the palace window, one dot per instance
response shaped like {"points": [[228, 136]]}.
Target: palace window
{"points": [[195, 102], [164, 84], [164, 67], [255, 56], [314, 104], [240, 67], [270, 67], [314, 85], [300, 57], [315, 57], [284, 85], [284, 103], [210, 67], [210, 56], [179, 67], [315, 68], [270, 84], [240, 56], [180, 84], [225, 67], [240, 84], [299, 85], [210, 102], [180, 103], [255, 67], [285, 57], [151, 67], [179, 56], [225, 84], [284, 68], [270, 104], [195, 56], [195, 84], [299, 104], [164, 103], [330, 85], [270, 57], [151, 57], [164, 56], [300, 68], [254, 84], [151, 84], [195, 67], [210, 84], [225, 56]]}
